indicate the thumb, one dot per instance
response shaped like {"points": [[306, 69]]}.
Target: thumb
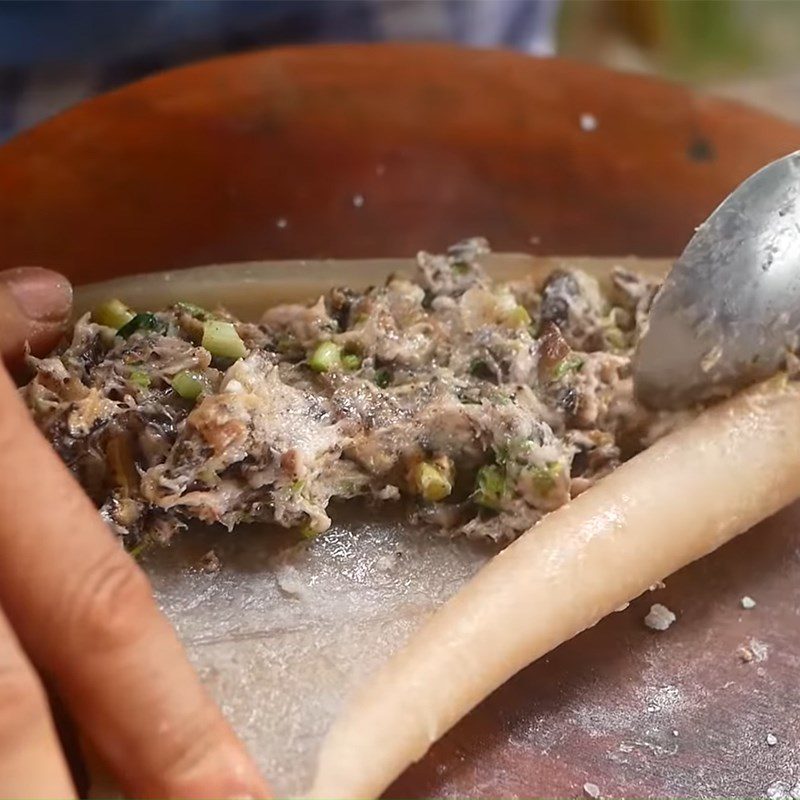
{"points": [[35, 304]]}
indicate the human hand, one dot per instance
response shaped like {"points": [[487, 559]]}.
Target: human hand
{"points": [[76, 611]]}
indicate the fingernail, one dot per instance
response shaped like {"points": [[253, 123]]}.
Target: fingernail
{"points": [[41, 294]]}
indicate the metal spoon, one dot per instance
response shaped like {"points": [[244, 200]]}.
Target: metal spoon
{"points": [[730, 306]]}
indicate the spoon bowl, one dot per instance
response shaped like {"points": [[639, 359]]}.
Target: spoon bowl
{"points": [[730, 306]]}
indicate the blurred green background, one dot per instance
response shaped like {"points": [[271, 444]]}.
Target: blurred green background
{"points": [[744, 49]]}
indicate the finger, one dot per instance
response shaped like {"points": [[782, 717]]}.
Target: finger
{"points": [[31, 762], [69, 741], [35, 304], [85, 613]]}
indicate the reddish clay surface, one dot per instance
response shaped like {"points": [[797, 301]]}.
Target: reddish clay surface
{"points": [[203, 164]]}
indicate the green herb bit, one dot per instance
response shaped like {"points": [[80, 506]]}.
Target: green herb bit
{"points": [[190, 384], [490, 487], [193, 311], [113, 314], [544, 478], [208, 476], [518, 317], [351, 361], [615, 338], [431, 482], [460, 267], [309, 531], [140, 378], [138, 549], [142, 322], [326, 357], [567, 365], [222, 340], [382, 378]]}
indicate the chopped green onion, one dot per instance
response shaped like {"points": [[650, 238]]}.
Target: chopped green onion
{"points": [[431, 482], [460, 267], [222, 340], [192, 310], [382, 378], [113, 314], [140, 378], [518, 317], [189, 384], [615, 338], [138, 549], [309, 532], [567, 365], [208, 476], [490, 487], [142, 322], [326, 357], [544, 478], [351, 361]]}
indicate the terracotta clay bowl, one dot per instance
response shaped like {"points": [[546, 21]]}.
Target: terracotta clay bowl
{"points": [[383, 150]]}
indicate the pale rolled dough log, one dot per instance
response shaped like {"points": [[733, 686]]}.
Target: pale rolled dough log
{"points": [[685, 496]]}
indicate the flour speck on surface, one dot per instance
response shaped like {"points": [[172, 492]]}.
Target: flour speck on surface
{"points": [[747, 602], [659, 618], [753, 651], [386, 562], [760, 650], [588, 122], [289, 581], [591, 790], [358, 200], [745, 654], [282, 223], [783, 790], [772, 739]]}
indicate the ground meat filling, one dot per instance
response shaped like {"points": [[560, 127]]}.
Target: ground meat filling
{"points": [[488, 404]]}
